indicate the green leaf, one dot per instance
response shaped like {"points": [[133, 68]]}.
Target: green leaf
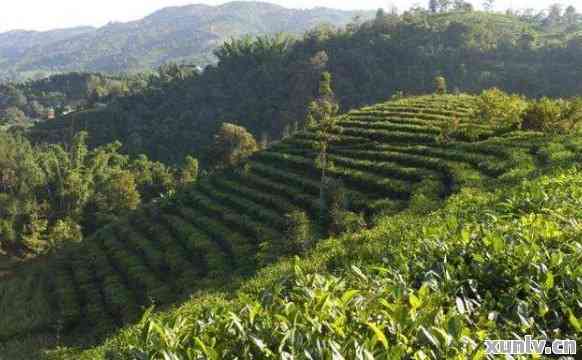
{"points": [[414, 301], [549, 281], [349, 295], [210, 353], [379, 335], [574, 321], [460, 305], [498, 243], [454, 326], [359, 272], [430, 337], [261, 345], [424, 291]]}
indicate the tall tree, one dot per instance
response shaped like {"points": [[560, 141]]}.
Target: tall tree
{"points": [[232, 144], [440, 85], [554, 15], [570, 15], [380, 19], [444, 5], [462, 5], [488, 5], [323, 116], [433, 6], [189, 173]]}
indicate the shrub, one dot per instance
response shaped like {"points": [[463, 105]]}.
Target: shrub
{"points": [[441, 85], [501, 109], [298, 237], [556, 116], [298, 232], [448, 129], [332, 200], [426, 196], [349, 222]]}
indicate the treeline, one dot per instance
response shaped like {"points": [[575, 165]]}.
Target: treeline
{"points": [[23, 103], [265, 84], [51, 194]]}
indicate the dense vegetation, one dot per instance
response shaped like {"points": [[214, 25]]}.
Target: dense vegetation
{"points": [[22, 104], [327, 222], [406, 155], [178, 34], [266, 85], [50, 195]]}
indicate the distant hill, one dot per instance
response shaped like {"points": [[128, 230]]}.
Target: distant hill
{"points": [[188, 33]]}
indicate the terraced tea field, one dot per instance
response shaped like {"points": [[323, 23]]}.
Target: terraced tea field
{"points": [[385, 155]]}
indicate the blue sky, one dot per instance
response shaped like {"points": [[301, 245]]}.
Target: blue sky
{"points": [[43, 14]]}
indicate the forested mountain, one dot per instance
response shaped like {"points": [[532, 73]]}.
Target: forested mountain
{"points": [[188, 33], [13, 44], [266, 84]]}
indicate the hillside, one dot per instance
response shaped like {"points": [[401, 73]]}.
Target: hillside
{"points": [[199, 246], [26, 103], [265, 85], [177, 34]]}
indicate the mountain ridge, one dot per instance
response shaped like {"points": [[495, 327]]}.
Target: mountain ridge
{"points": [[181, 33]]}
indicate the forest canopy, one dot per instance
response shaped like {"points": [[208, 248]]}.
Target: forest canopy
{"points": [[51, 194]]}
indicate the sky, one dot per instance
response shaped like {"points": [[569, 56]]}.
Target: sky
{"points": [[55, 14]]}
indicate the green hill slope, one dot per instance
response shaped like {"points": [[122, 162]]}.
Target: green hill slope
{"points": [[491, 264], [390, 158]]}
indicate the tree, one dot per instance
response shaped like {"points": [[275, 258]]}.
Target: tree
{"points": [[232, 144], [153, 178], [12, 116], [526, 40], [500, 109], [433, 6], [79, 150], [441, 85], [297, 238], [322, 115], [380, 19], [462, 5], [550, 115], [488, 5], [264, 142], [189, 172], [297, 232], [554, 15], [15, 98], [121, 192], [444, 5], [64, 231], [570, 16]]}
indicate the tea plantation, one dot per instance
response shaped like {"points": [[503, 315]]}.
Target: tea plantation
{"points": [[464, 235]]}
